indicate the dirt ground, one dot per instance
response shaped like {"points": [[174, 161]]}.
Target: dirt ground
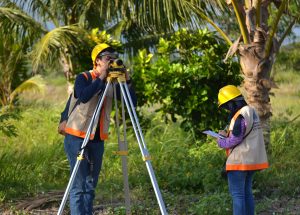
{"points": [[47, 204]]}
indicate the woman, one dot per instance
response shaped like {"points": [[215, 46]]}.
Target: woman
{"points": [[244, 146]]}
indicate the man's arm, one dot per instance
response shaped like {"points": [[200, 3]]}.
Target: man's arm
{"points": [[86, 89]]}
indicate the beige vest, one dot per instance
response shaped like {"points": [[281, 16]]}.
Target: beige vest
{"points": [[80, 118], [251, 153]]}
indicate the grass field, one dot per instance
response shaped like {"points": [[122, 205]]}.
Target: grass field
{"points": [[286, 99], [187, 170]]}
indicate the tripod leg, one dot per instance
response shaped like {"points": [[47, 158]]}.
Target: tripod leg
{"points": [[123, 151], [84, 143], [142, 145], [134, 115]]}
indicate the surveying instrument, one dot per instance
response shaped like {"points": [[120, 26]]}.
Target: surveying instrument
{"points": [[116, 75]]}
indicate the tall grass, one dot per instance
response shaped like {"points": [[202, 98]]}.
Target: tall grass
{"points": [[283, 175], [187, 170], [32, 161], [182, 165], [286, 98]]}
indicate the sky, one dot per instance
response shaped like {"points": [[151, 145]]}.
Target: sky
{"points": [[296, 31]]}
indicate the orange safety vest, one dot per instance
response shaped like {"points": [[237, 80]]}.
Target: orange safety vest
{"points": [[81, 116], [250, 154]]}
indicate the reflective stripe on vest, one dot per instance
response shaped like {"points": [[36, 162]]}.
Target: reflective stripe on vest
{"points": [[231, 128], [250, 154]]}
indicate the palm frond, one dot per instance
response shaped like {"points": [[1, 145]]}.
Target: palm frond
{"points": [[13, 64], [36, 83], [11, 52], [12, 18], [159, 15], [90, 15], [41, 9], [117, 29], [6, 3], [269, 42], [202, 14], [59, 40], [84, 15]]}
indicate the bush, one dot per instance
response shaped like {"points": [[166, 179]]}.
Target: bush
{"points": [[184, 78]]}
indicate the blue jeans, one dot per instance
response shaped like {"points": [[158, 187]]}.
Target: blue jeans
{"points": [[82, 192], [240, 187]]}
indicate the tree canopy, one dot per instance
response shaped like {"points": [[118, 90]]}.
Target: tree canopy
{"points": [[184, 78]]}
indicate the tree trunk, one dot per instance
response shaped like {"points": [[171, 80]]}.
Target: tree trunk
{"points": [[5, 88], [68, 70], [257, 82]]}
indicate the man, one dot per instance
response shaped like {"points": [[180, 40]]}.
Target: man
{"points": [[80, 108]]}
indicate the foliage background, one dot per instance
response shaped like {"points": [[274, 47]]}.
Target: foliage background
{"points": [[184, 78], [187, 168], [186, 165]]}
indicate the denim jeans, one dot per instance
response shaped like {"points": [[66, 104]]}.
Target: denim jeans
{"points": [[240, 187], [82, 192]]}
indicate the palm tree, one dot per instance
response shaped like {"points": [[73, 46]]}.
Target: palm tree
{"points": [[259, 41], [13, 70], [257, 48], [67, 40], [29, 21], [138, 22]]}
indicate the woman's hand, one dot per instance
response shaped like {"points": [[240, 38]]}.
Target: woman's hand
{"points": [[223, 133]]}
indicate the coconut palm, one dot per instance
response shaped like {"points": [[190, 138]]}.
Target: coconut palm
{"points": [[51, 32], [45, 46], [13, 70], [262, 26], [138, 22], [57, 30], [49, 43], [258, 45]]}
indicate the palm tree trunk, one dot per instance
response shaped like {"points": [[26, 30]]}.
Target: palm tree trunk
{"points": [[5, 88], [257, 81], [68, 70]]}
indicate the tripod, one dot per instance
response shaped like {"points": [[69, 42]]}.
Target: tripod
{"points": [[113, 78]]}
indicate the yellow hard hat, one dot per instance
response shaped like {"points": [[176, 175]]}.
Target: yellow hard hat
{"points": [[228, 93], [97, 49]]}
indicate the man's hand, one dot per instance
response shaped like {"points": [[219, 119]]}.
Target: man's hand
{"points": [[103, 70]]}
